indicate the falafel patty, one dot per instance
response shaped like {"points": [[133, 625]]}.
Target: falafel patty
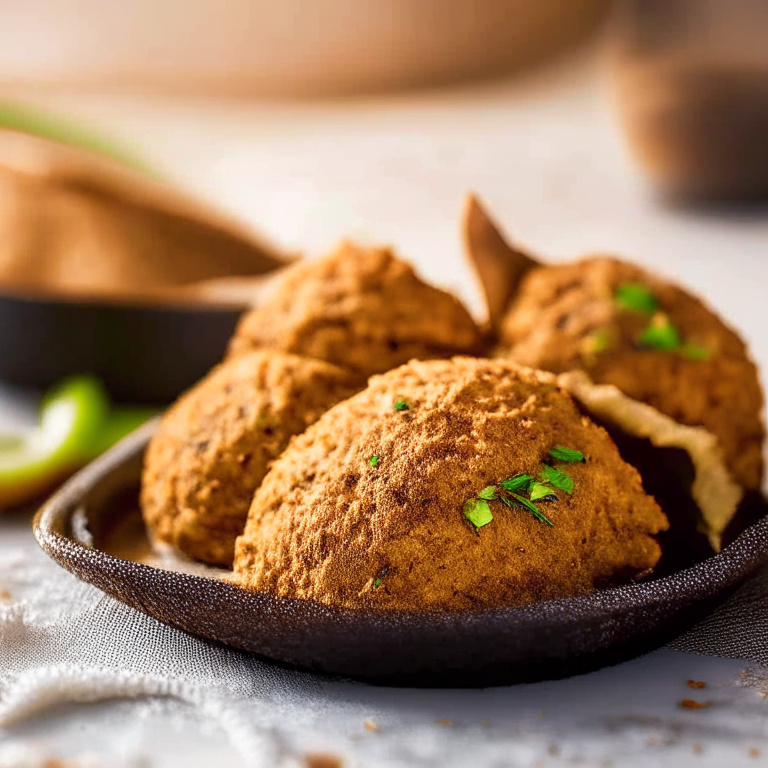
{"points": [[215, 444], [377, 503], [653, 340], [362, 309]]}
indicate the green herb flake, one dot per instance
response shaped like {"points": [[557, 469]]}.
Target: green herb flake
{"points": [[596, 342], [538, 491], [478, 512], [660, 335], [381, 574], [401, 404], [374, 461], [517, 484], [695, 352], [557, 478], [637, 297], [488, 493], [561, 453], [26, 119], [532, 508]]}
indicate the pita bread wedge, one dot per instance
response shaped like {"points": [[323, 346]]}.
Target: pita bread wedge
{"points": [[498, 265], [713, 489]]}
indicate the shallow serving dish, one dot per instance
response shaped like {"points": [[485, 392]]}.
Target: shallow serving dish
{"points": [[92, 528]]}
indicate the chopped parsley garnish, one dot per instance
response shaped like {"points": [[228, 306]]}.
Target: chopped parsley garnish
{"points": [[596, 342], [661, 335], [374, 460], [478, 512], [510, 491], [557, 478], [637, 297], [695, 351], [532, 508], [381, 574], [538, 491], [401, 404], [561, 453], [518, 483]]}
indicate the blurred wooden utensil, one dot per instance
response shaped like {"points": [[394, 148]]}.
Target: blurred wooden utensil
{"points": [[74, 223]]}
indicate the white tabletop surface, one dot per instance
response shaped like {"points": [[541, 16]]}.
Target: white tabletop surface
{"points": [[545, 153]]}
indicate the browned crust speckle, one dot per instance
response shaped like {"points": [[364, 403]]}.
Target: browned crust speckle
{"points": [[558, 307], [216, 443], [325, 524], [360, 308]]}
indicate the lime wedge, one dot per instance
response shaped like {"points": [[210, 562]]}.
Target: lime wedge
{"points": [[121, 421], [77, 424]]}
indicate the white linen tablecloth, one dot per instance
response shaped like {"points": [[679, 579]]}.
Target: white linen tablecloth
{"points": [[545, 155]]}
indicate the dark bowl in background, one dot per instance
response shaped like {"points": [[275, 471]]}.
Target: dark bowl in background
{"points": [[143, 353]]}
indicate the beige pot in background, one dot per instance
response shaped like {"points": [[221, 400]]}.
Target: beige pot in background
{"points": [[691, 90], [280, 47]]}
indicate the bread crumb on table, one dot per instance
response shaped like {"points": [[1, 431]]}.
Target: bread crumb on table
{"points": [[322, 760], [691, 704]]}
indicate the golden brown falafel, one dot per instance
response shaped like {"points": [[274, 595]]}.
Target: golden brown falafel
{"points": [[362, 309], [653, 340], [214, 446], [369, 507]]}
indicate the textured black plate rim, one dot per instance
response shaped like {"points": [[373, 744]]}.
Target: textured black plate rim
{"points": [[539, 640]]}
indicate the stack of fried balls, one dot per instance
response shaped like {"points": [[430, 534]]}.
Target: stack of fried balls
{"points": [[367, 444]]}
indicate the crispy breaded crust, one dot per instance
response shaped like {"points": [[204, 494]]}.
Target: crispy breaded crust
{"points": [[557, 308], [215, 445], [362, 309], [325, 524]]}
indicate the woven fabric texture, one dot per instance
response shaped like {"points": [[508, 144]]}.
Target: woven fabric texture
{"points": [[64, 641]]}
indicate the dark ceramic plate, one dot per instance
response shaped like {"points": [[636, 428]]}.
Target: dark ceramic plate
{"points": [[93, 529], [143, 353]]}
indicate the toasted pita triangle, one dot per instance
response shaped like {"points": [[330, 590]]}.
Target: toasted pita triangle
{"points": [[498, 265], [715, 492]]}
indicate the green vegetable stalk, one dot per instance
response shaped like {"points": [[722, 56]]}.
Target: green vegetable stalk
{"points": [[25, 119]]}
